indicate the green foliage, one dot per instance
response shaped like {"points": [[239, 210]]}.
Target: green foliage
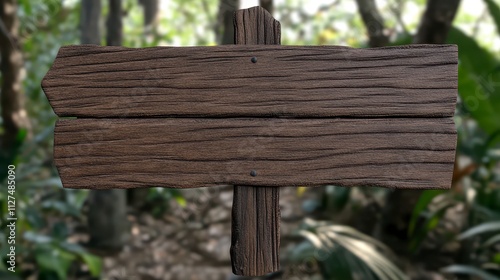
{"points": [[43, 207], [345, 253], [333, 200], [423, 202], [429, 217], [494, 10], [469, 270], [480, 229], [55, 256], [158, 200], [479, 82], [478, 124]]}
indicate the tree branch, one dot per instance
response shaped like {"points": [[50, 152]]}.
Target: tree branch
{"points": [[374, 23], [397, 9]]}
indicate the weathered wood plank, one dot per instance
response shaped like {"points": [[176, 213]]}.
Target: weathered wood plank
{"points": [[183, 153], [255, 233], [312, 81]]}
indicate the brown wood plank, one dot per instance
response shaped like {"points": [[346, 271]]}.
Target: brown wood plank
{"points": [[184, 153], [255, 233], [305, 81]]}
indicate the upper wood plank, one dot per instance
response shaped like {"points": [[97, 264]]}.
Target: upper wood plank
{"points": [[222, 81]]}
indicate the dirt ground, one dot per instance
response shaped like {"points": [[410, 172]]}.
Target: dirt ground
{"points": [[192, 242]]}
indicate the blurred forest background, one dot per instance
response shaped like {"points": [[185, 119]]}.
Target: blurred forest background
{"points": [[327, 233]]}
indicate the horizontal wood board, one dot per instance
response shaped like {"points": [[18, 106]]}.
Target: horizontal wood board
{"points": [[222, 81], [191, 152]]}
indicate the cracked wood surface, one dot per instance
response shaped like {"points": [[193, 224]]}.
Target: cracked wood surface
{"points": [[222, 81], [125, 153]]}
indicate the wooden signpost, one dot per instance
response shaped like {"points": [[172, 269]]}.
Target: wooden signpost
{"points": [[257, 116]]}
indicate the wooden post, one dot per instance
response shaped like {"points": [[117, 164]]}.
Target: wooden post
{"points": [[255, 238]]}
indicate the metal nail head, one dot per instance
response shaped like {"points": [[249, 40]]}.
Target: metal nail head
{"points": [[253, 173], [254, 59]]}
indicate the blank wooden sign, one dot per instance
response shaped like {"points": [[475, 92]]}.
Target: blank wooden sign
{"points": [[205, 116], [254, 115]]}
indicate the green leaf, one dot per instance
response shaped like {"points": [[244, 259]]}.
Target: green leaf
{"points": [[469, 270], [53, 259], [335, 198], [94, 264], [491, 241], [179, 198], [34, 217], [478, 81], [379, 264], [302, 252], [480, 229], [471, 54], [54, 181], [72, 248], [337, 245], [496, 258], [36, 237], [423, 202], [477, 102], [7, 275], [494, 12], [21, 135], [76, 198], [59, 230], [61, 207], [430, 224]]}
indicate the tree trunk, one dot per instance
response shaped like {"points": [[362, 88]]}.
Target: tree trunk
{"points": [[268, 5], [114, 36], [89, 21], [107, 216], [373, 22], [14, 114], [436, 21], [151, 11], [225, 28]]}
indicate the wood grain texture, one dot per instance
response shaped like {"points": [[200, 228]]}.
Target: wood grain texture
{"points": [[183, 153], [221, 81], [255, 234]]}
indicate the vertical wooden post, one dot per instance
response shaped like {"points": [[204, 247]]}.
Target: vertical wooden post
{"points": [[255, 238]]}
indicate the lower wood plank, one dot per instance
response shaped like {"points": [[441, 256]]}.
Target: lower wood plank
{"points": [[185, 153]]}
